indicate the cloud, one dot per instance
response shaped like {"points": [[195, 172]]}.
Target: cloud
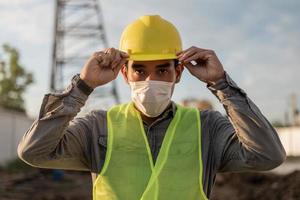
{"points": [[26, 23], [256, 41], [245, 35]]}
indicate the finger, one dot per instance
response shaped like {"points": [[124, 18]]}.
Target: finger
{"points": [[96, 53], [124, 54], [119, 56], [190, 67], [116, 61], [107, 50], [187, 54], [105, 61], [191, 48], [179, 53], [122, 57], [101, 57], [110, 55], [184, 51], [198, 56], [201, 55], [98, 56], [119, 66], [123, 61], [194, 70]]}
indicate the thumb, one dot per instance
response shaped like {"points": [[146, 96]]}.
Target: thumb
{"points": [[190, 67], [196, 70], [119, 66]]}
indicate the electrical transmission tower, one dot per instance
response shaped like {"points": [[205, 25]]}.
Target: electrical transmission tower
{"points": [[78, 32]]}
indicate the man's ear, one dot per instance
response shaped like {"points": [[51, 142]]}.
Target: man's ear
{"points": [[179, 69], [124, 73]]}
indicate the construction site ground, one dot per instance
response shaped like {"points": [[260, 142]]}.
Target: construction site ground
{"points": [[38, 184]]}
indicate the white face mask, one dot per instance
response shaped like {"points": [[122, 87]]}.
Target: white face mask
{"points": [[151, 97]]}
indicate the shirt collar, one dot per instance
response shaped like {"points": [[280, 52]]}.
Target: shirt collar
{"points": [[170, 111]]}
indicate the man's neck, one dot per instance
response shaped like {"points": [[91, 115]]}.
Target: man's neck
{"points": [[149, 120]]}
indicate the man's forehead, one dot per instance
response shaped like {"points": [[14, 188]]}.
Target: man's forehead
{"points": [[159, 63]]}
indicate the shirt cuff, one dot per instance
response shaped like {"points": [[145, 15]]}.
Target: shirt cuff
{"points": [[79, 83], [226, 88], [68, 102], [74, 91]]}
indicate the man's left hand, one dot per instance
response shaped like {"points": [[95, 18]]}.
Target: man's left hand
{"points": [[202, 63]]}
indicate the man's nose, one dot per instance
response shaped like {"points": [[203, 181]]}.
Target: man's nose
{"points": [[151, 77]]}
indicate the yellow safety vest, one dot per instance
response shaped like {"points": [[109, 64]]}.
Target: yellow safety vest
{"points": [[129, 173]]}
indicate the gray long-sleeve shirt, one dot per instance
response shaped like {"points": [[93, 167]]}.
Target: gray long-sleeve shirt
{"points": [[245, 141]]}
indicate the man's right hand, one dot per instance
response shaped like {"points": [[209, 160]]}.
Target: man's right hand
{"points": [[103, 67]]}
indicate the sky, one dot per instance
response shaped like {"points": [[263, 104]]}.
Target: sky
{"points": [[256, 41]]}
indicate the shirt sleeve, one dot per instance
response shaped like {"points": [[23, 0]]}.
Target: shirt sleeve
{"points": [[56, 139], [245, 140]]}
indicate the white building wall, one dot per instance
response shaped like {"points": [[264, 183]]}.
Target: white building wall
{"points": [[290, 138], [13, 125]]}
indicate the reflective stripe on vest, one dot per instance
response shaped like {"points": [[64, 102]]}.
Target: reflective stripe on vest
{"points": [[129, 173]]}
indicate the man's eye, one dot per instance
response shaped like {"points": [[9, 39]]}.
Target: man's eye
{"points": [[138, 71], [163, 71]]}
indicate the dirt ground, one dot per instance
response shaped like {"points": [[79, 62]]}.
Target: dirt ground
{"points": [[39, 185], [257, 186]]}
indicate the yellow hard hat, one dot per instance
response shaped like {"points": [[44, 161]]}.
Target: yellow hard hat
{"points": [[150, 38]]}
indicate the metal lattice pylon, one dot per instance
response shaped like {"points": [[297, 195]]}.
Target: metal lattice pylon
{"points": [[78, 32]]}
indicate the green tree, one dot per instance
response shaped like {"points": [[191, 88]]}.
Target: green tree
{"points": [[13, 80]]}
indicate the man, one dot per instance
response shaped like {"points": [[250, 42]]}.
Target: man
{"points": [[152, 148]]}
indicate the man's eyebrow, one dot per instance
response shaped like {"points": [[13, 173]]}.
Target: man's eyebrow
{"points": [[138, 66], [163, 65]]}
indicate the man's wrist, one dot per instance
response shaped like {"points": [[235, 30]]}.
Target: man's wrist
{"points": [[220, 84], [217, 81], [82, 85]]}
